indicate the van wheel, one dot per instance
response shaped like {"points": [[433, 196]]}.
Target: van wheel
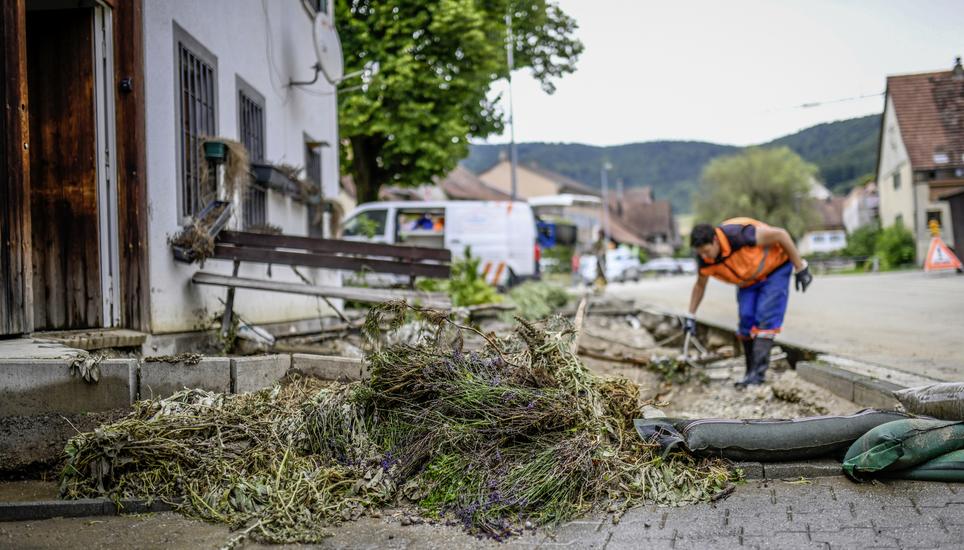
{"points": [[512, 280]]}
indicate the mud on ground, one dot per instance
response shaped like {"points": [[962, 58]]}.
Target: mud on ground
{"points": [[710, 392]]}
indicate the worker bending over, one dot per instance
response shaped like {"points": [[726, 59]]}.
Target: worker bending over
{"points": [[758, 259]]}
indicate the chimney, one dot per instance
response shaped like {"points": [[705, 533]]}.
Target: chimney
{"points": [[958, 71]]}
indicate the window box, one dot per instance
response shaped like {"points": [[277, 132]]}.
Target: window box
{"points": [[274, 178]]}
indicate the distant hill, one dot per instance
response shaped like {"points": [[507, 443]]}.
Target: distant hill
{"points": [[845, 151]]}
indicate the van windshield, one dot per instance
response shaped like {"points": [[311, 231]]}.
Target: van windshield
{"points": [[370, 223]]}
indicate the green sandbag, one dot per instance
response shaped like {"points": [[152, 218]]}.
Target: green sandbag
{"points": [[901, 445], [949, 467]]}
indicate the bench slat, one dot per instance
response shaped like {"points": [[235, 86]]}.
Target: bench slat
{"points": [[368, 295], [312, 244], [282, 257]]}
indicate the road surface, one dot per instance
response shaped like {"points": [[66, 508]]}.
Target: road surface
{"points": [[912, 321]]}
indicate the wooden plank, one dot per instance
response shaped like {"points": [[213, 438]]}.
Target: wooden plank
{"points": [[63, 174], [271, 256], [131, 164], [368, 295], [334, 246], [16, 294]]}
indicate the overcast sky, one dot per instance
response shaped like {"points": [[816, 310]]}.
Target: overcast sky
{"points": [[732, 71]]}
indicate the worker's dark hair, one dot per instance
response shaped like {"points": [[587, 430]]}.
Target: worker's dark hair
{"points": [[702, 234]]}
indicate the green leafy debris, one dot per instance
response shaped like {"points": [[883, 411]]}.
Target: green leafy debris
{"points": [[518, 430]]}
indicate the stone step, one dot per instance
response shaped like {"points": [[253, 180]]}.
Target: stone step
{"points": [[94, 339]]}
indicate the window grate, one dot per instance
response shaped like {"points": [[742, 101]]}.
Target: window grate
{"points": [[251, 130], [197, 81]]}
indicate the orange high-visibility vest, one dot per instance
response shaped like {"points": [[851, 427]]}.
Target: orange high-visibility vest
{"points": [[746, 265]]}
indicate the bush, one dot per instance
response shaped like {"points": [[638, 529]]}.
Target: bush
{"points": [[895, 247], [537, 300], [862, 243], [466, 286], [563, 257]]}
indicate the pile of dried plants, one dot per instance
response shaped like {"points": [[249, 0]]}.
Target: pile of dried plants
{"points": [[516, 431]]}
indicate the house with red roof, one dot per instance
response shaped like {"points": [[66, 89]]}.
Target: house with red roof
{"points": [[920, 158]]}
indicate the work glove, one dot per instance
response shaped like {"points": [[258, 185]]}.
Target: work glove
{"points": [[803, 278], [689, 325]]}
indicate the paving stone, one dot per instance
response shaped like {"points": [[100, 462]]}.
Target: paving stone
{"points": [[328, 367], [805, 469], [38, 386], [751, 470], [258, 372], [158, 379]]}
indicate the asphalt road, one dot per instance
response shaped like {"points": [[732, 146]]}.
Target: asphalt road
{"points": [[912, 321]]}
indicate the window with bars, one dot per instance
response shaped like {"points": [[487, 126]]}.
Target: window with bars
{"points": [[197, 118], [251, 131]]}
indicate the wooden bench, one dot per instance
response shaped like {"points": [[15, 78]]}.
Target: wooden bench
{"points": [[311, 252]]}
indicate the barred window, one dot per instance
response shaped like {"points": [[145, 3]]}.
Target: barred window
{"points": [[197, 118], [251, 131]]}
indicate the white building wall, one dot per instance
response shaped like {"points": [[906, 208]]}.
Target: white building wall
{"points": [[815, 242], [894, 160], [266, 43]]}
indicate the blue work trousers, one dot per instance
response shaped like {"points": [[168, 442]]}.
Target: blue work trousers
{"points": [[763, 305]]}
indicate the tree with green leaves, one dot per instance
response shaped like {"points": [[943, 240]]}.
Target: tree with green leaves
{"points": [[771, 185], [437, 62]]}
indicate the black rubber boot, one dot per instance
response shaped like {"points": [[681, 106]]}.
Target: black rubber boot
{"points": [[761, 361], [748, 357]]}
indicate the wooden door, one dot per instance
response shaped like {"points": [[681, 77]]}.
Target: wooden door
{"points": [[15, 292], [63, 170]]}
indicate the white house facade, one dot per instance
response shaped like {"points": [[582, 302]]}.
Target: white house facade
{"points": [[921, 152], [222, 68]]}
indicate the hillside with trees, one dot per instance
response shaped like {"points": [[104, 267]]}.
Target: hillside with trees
{"points": [[844, 152]]}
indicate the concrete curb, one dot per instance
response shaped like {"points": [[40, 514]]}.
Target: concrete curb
{"points": [[42, 386], [790, 470], [46, 509]]}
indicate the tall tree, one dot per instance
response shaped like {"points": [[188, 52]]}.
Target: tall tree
{"points": [[437, 62], [771, 185]]}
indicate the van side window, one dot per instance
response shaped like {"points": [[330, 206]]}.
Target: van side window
{"points": [[367, 224]]}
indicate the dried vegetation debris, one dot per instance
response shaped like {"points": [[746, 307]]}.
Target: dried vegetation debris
{"points": [[516, 431]]}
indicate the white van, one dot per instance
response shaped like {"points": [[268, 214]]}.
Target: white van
{"points": [[501, 233]]}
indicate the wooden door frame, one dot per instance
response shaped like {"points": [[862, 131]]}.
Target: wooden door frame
{"points": [[16, 292], [131, 163]]}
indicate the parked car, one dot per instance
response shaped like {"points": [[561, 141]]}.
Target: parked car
{"points": [[501, 233], [621, 265], [670, 266], [687, 265]]}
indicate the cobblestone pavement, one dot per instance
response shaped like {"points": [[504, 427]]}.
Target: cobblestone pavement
{"points": [[826, 513]]}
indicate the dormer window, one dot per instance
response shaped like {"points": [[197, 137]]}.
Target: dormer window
{"points": [[941, 158]]}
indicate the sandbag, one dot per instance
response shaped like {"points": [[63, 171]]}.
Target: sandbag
{"points": [[780, 440], [944, 400], [901, 445], [662, 432], [947, 467]]}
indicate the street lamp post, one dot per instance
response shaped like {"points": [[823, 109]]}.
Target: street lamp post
{"points": [[513, 157], [603, 176]]}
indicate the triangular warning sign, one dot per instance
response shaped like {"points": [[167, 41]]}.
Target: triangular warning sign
{"points": [[940, 257]]}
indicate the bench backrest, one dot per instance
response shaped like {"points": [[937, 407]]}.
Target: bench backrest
{"points": [[333, 254]]}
